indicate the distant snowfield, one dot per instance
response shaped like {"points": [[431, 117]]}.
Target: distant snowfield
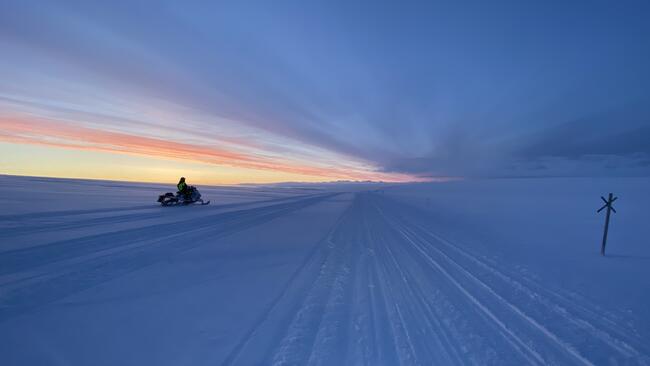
{"points": [[491, 272]]}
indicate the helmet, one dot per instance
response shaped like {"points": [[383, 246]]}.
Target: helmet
{"points": [[182, 179]]}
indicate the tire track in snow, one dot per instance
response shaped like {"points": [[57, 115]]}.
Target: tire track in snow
{"points": [[378, 350], [422, 319], [518, 344], [338, 328], [417, 332], [300, 340], [399, 338], [561, 344], [574, 308], [20, 259], [426, 314], [568, 314], [397, 321], [108, 262], [21, 217], [431, 306], [565, 313], [573, 315], [26, 223], [410, 294], [286, 291], [411, 337], [380, 290]]}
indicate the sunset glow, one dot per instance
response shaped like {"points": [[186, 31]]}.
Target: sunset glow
{"points": [[245, 92], [207, 164]]}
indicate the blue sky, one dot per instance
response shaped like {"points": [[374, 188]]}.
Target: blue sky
{"points": [[337, 90]]}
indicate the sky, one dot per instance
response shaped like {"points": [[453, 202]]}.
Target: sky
{"points": [[271, 91]]}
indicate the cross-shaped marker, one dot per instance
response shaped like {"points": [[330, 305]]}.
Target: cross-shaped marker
{"points": [[608, 204]]}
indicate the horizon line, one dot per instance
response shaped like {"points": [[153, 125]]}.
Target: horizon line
{"points": [[215, 184]]}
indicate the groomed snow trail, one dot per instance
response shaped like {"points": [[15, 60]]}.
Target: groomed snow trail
{"points": [[303, 279], [385, 290], [58, 269]]}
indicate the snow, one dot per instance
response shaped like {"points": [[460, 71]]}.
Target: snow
{"points": [[485, 272]]}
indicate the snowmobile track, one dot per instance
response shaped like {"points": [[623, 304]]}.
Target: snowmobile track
{"points": [[371, 282], [59, 269], [383, 289]]}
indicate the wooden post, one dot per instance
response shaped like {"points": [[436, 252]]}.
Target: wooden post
{"points": [[608, 204]]}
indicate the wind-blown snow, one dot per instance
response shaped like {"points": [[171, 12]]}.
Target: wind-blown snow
{"points": [[468, 272]]}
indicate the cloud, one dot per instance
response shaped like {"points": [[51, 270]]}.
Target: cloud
{"points": [[60, 134], [610, 142], [391, 92]]}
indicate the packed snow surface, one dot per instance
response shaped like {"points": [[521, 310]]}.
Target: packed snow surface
{"points": [[485, 272]]}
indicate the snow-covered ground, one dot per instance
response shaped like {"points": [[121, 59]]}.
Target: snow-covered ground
{"points": [[503, 272]]}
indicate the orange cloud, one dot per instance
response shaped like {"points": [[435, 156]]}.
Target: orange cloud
{"points": [[56, 133]]}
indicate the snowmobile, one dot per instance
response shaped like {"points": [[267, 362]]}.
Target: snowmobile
{"points": [[170, 199]]}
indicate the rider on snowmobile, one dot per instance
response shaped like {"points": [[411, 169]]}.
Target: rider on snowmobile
{"points": [[183, 188], [186, 195]]}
